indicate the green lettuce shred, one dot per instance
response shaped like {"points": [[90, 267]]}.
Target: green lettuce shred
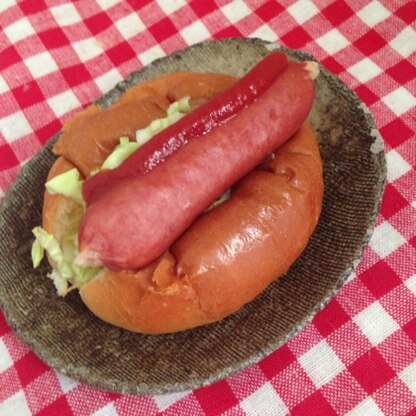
{"points": [[175, 111], [120, 153], [68, 184], [66, 275]]}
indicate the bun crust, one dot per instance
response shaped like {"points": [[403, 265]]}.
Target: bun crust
{"points": [[229, 255]]}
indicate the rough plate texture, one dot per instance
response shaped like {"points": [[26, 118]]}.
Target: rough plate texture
{"points": [[73, 341]]}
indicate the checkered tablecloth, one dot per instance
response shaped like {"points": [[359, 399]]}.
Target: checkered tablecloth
{"points": [[358, 355]]}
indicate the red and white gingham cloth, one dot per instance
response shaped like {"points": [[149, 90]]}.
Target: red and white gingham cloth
{"points": [[358, 356]]}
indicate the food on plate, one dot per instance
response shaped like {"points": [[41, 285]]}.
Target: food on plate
{"points": [[163, 235]]}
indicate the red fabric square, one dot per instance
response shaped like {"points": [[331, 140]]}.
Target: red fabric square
{"points": [[54, 38], [402, 72], [296, 38], [98, 23], [396, 132], [293, 384], [277, 361], [398, 350], [380, 279], [314, 405], [395, 398], [48, 131], [7, 158], [163, 29], [76, 75], [329, 319], [59, 407], [121, 53], [337, 12], [366, 95], [348, 342], [228, 32], [201, 8], [216, 398], [332, 65], [269, 10], [4, 326], [9, 383], [28, 94], [370, 42], [410, 329], [371, 371], [9, 57], [407, 12], [29, 367], [32, 7], [343, 392], [138, 4], [392, 202]]}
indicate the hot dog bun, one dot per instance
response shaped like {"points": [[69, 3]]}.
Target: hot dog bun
{"points": [[226, 257]]}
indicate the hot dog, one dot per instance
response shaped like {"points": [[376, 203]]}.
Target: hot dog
{"points": [[193, 279], [172, 196]]}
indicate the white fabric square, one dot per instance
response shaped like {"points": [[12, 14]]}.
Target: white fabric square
{"points": [[195, 32], [87, 49], [15, 405], [386, 239], [264, 32], [130, 25], [321, 363], [405, 42], [408, 376], [106, 4], [67, 383], [165, 400], [264, 402], [396, 166], [15, 126], [303, 10], [66, 14], [411, 284], [151, 54], [41, 64], [235, 11], [171, 6], [365, 70], [5, 359], [108, 410], [375, 323], [19, 30], [3, 85], [108, 80], [399, 101], [63, 103], [367, 407], [333, 41], [5, 4], [373, 13]]}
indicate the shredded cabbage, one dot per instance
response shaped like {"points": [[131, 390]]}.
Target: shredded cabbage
{"points": [[65, 275], [68, 184], [121, 152], [175, 111]]}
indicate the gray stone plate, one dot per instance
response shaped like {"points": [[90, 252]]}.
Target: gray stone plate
{"points": [[70, 339]]}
